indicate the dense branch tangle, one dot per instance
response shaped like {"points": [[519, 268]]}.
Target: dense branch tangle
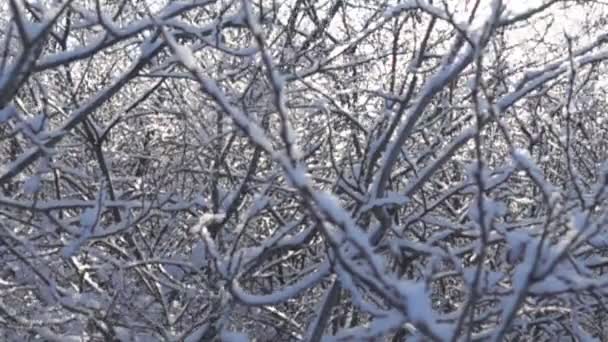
{"points": [[302, 170]]}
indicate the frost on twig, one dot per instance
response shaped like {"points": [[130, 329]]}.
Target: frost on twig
{"points": [[299, 170]]}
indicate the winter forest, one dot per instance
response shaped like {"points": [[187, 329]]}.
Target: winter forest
{"points": [[303, 170]]}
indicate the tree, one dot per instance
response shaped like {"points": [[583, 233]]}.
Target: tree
{"points": [[339, 170]]}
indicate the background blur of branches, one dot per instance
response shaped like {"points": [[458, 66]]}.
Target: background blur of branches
{"points": [[204, 170]]}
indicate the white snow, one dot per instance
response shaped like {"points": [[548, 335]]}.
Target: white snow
{"points": [[419, 309], [71, 249], [233, 336], [36, 123], [7, 113], [32, 184], [211, 218], [88, 218], [185, 55], [198, 334], [199, 255], [418, 304]]}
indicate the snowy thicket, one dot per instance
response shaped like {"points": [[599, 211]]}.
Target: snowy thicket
{"points": [[335, 170]]}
